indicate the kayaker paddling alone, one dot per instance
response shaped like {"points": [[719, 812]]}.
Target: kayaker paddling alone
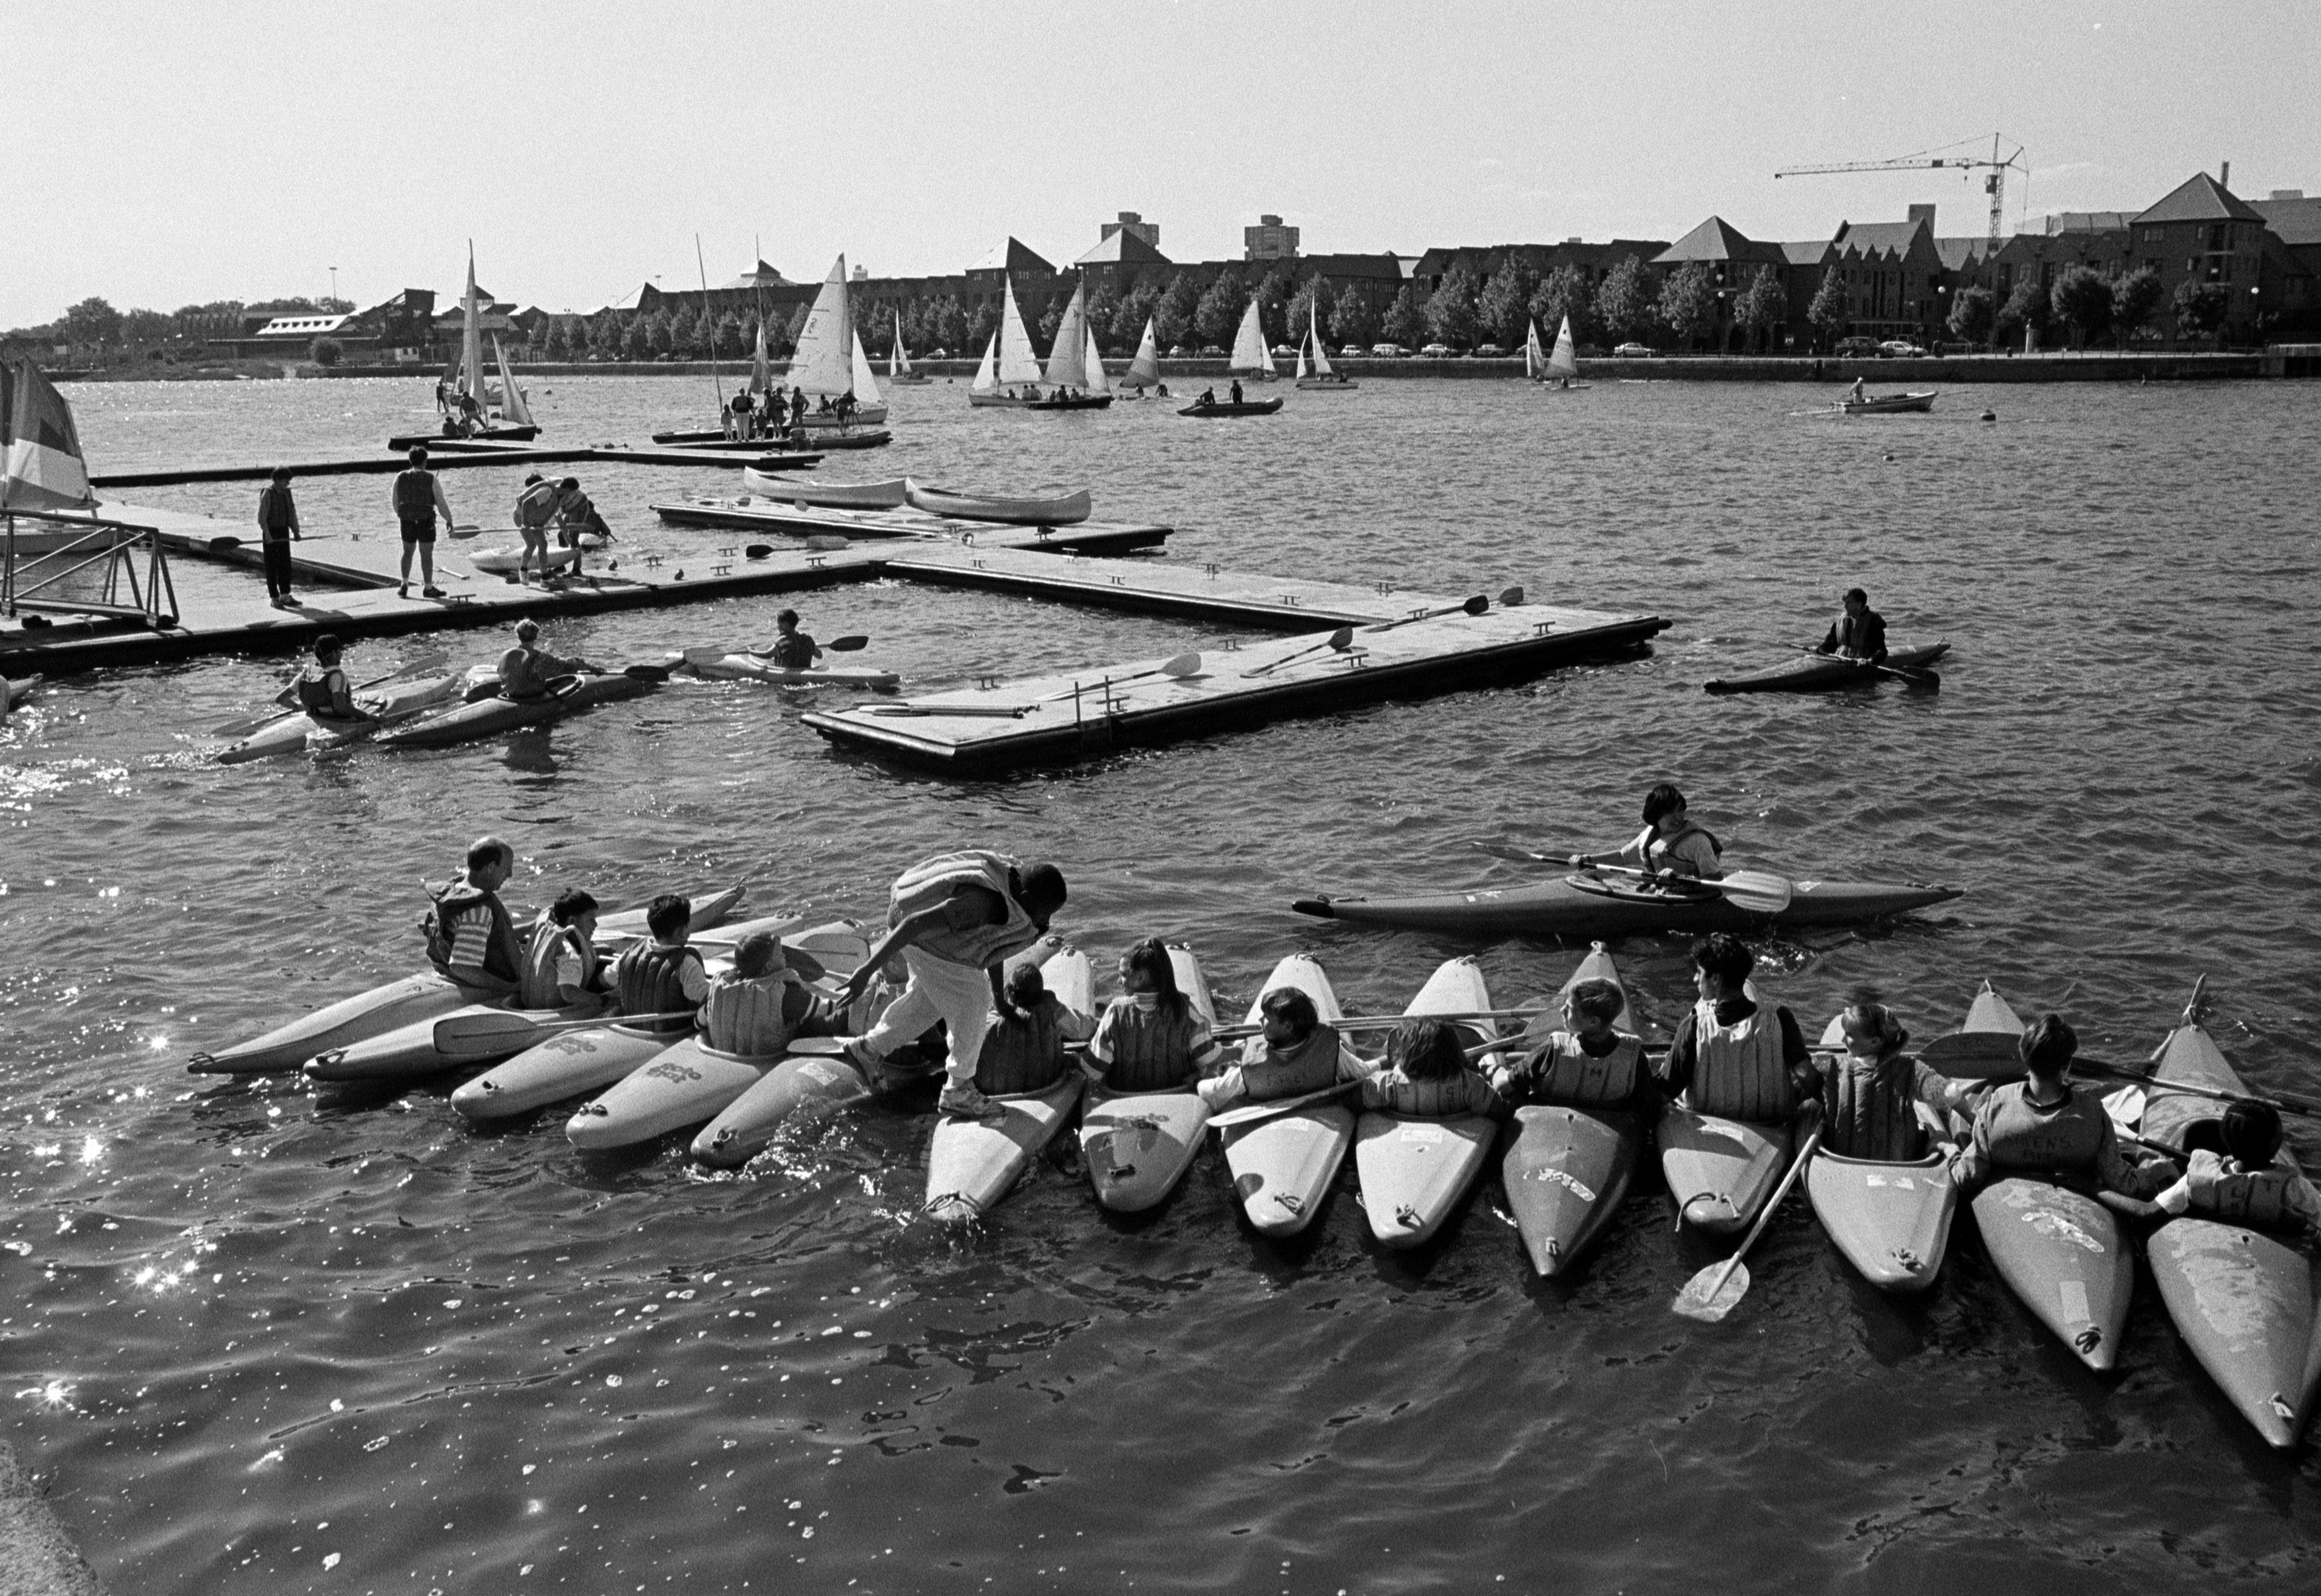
{"points": [[1859, 632], [1669, 846], [529, 670]]}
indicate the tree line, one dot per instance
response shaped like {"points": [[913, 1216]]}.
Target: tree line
{"points": [[2086, 306]]}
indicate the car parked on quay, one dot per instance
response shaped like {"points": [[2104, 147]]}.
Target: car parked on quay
{"points": [[1632, 352], [1389, 351], [1857, 348]]}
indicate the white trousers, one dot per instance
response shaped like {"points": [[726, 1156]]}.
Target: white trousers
{"points": [[960, 995]]}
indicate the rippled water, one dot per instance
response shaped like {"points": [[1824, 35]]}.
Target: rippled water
{"points": [[260, 1340]]}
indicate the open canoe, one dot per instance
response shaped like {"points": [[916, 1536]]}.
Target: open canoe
{"points": [[972, 1164], [1053, 510], [1891, 404], [1227, 412], [1814, 676], [1567, 1169], [831, 496], [1597, 906], [1720, 1170], [2061, 1254], [1282, 1166], [1414, 1170], [1137, 1145]]}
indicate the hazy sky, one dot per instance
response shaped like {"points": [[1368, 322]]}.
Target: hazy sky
{"points": [[164, 154]]}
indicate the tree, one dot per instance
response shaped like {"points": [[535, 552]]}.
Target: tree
{"points": [[1452, 313], [92, 321], [948, 325], [1826, 315], [1173, 318], [577, 337], [637, 339], [730, 339], [1763, 308], [2200, 308], [1505, 308], [1688, 304], [2135, 301], [1974, 315], [1219, 312], [2082, 301], [981, 323], [1103, 305], [2027, 309], [1563, 292], [790, 330], [325, 352], [1129, 317], [1623, 303], [608, 335], [1353, 316], [1402, 323], [551, 338], [1273, 297]]}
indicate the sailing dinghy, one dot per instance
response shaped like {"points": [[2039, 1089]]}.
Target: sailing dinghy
{"points": [[1322, 378], [1144, 371], [1560, 371], [829, 363], [1068, 378], [898, 359], [1249, 358], [1009, 375]]}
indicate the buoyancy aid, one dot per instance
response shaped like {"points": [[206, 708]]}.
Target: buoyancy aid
{"points": [[536, 507], [1873, 1108], [1022, 1052], [274, 510], [1466, 1092], [1565, 1072], [2013, 1133], [2221, 1188], [1656, 852], [794, 650], [1151, 1048], [461, 900], [319, 690], [536, 985], [933, 881], [650, 979], [754, 1014], [1270, 1072], [415, 496], [1738, 1072]]}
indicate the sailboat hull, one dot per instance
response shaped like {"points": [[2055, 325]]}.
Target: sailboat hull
{"points": [[488, 434], [1081, 402], [1325, 384], [1000, 402]]}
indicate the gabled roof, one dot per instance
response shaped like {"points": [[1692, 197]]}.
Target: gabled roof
{"points": [[2294, 221], [763, 276], [1718, 240], [1875, 238], [2199, 198], [1123, 247], [1812, 252], [1012, 255], [1961, 254]]}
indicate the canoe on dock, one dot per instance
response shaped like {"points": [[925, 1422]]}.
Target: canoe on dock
{"points": [[1830, 670], [1588, 904], [886, 494], [1043, 510]]}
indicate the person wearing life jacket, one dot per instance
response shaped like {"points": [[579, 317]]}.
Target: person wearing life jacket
{"points": [[579, 519], [2246, 1183], [758, 1006], [321, 687], [1871, 1092], [1669, 846], [1297, 1053], [1023, 1049], [1859, 632], [277, 526], [418, 499], [1732, 1057], [662, 983], [535, 507], [529, 670], [955, 919], [792, 649], [2041, 1126], [1150, 1039], [560, 968], [469, 936], [1588, 1064], [1426, 1074]]}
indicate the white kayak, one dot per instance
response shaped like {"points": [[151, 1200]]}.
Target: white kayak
{"points": [[294, 732], [13, 693], [782, 488], [972, 1164], [752, 668], [502, 561], [1138, 1145], [1568, 1169], [1720, 1170], [1414, 1170], [798, 1088], [565, 1064], [1282, 1166], [415, 1051]]}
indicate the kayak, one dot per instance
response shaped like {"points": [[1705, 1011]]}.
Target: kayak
{"points": [[2244, 1300], [1282, 1166], [1568, 1169], [1414, 1170], [428, 996], [503, 561], [12, 693], [1720, 1170], [785, 489], [412, 1052], [749, 668], [797, 1088], [1892, 1220], [1138, 1145], [1593, 905], [489, 717], [1048, 510], [972, 1164], [1828, 670], [565, 1064], [2061, 1253], [291, 733]]}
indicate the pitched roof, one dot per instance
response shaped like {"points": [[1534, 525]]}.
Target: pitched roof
{"points": [[1876, 237], [763, 276], [2089, 221], [2199, 198], [1811, 252], [1123, 247], [1961, 254], [1718, 240], [2295, 221], [1010, 256]]}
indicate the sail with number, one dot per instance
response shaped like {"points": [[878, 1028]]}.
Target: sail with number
{"points": [[1017, 363], [1093, 361], [1249, 356], [1144, 371], [512, 405], [1564, 363], [1067, 356], [866, 386], [822, 365]]}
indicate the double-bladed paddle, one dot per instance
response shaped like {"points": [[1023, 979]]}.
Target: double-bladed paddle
{"points": [[1757, 892], [417, 668], [1917, 677], [1234, 1033], [1338, 641], [483, 1033], [1471, 606], [1249, 1113], [1710, 1295], [1178, 669]]}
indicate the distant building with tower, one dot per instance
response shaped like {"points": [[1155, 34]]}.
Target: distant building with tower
{"points": [[1270, 240]]}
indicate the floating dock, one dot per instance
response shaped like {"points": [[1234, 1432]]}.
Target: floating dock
{"points": [[449, 454]]}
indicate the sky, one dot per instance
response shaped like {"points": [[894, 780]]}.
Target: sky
{"points": [[167, 154]]}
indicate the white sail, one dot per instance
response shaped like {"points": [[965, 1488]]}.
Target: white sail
{"points": [[899, 358], [822, 365], [1565, 361], [866, 386], [1144, 371], [1534, 357], [761, 368], [1249, 346], [512, 409], [1093, 359], [1067, 356], [1314, 336], [471, 340], [987, 376], [1300, 373], [1017, 363]]}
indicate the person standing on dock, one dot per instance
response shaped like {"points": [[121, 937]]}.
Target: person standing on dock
{"points": [[277, 524], [418, 499], [541, 502], [955, 920], [1859, 632]]}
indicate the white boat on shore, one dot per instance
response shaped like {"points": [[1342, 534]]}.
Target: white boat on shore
{"points": [[780, 487], [1059, 509]]}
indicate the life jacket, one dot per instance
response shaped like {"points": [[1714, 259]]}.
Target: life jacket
{"points": [[2013, 1133], [753, 1014], [274, 510], [460, 901], [1466, 1092], [1563, 1072], [2221, 1188], [537, 506], [933, 881], [415, 496], [1737, 1070], [1151, 1048], [1022, 1052], [520, 674], [1655, 851], [1270, 1072], [794, 651], [648, 979], [1873, 1109], [536, 986], [319, 689]]}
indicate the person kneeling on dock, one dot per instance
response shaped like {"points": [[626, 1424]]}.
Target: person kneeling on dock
{"points": [[560, 968], [1874, 1091], [756, 1008], [1734, 1058], [955, 918], [531, 671], [1669, 846], [540, 502], [1024, 1048], [2242, 1184], [1587, 1065], [1426, 1074], [469, 936], [662, 983], [1859, 632], [1150, 1039], [1298, 1053], [2041, 1127], [321, 687]]}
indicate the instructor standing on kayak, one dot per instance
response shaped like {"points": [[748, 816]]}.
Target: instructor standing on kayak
{"points": [[1859, 632], [955, 918], [1669, 845]]}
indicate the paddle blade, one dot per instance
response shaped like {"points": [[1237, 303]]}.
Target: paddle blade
{"points": [[1930, 681], [1974, 1054], [708, 653], [2125, 1107], [848, 644], [645, 673], [820, 1047], [1756, 891], [459, 1034], [1511, 597], [1478, 604], [758, 550], [1711, 1294], [1184, 665]]}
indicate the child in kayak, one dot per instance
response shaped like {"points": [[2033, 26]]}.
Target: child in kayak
{"points": [[758, 1006], [2041, 1127], [791, 648], [1732, 1057], [1151, 1039], [2243, 1185], [1024, 1050], [1588, 1064], [1669, 846], [1425, 1073], [1871, 1092], [1297, 1054], [559, 965], [663, 976]]}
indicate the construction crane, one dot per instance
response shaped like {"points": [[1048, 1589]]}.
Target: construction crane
{"points": [[1995, 185]]}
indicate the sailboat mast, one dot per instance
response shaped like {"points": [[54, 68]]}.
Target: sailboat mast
{"points": [[715, 378]]}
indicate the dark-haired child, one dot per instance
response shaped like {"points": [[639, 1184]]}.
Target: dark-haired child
{"points": [[1427, 1073], [2243, 1185], [1297, 1054], [663, 978], [1151, 1039], [1023, 1049]]}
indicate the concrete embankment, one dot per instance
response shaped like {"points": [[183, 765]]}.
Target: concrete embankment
{"points": [[37, 1557]]}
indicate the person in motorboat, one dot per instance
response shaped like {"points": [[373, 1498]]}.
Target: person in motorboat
{"points": [[539, 502], [529, 670], [662, 983], [1425, 1073], [1859, 632], [321, 690], [1297, 1053], [758, 1006], [561, 964], [1860, 394], [791, 648], [1669, 846], [1236, 390], [1733, 1057], [1587, 1065], [1874, 1090], [2239, 1183], [469, 937], [955, 920], [2041, 1126], [1209, 397], [1150, 1039], [1023, 1049]]}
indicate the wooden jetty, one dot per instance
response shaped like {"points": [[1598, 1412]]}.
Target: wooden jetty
{"points": [[449, 454]]}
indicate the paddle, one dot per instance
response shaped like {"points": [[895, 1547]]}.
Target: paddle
{"points": [[1759, 892], [1709, 1299], [1177, 669], [478, 1033], [1917, 677], [1250, 1112], [1005, 711], [2306, 1106], [417, 668], [464, 532], [1338, 641], [1389, 1022], [1473, 606]]}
